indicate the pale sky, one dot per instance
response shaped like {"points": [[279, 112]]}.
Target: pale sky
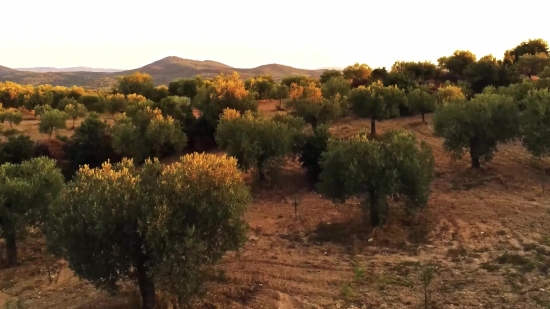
{"points": [[246, 33]]}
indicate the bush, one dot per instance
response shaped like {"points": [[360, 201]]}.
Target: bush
{"points": [[311, 150], [16, 149]]}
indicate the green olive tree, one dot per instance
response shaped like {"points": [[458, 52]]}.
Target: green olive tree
{"points": [[144, 132], [51, 121], [393, 165], [75, 111], [477, 125], [535, 123], [26, 191], [421, 101], [255, 140], [376, 102], [160, 226]]}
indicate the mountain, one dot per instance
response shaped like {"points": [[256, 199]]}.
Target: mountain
{"points": [[167, 69], [73, 69], [163, 72]]}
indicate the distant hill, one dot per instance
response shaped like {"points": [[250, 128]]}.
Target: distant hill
{"points": [[167, 69], [163, 72], [73, 69]]}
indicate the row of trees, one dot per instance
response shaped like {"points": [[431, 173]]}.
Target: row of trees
{"points": [[165, 226]]}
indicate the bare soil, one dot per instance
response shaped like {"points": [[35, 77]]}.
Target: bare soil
{"points": [[485, 234]]}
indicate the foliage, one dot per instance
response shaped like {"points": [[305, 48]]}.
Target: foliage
{"points": [[40, 110], [421, 101], [420, 72], [146, 133], [138, 83], [482, 73], [396, 165], [93, 103], [308, 103], [532, 64], [457, 63], [162, 227], [186, 87], [256, 140], [11, 116], [16, 149], [26, 190], [376, 102], [330, 74], [64, 102], [531, 47], [180, 109], [297, 79], [260, 85], [51, 121], [115, 103], [91, 144], [449, 93], [336, 86], [279, 92], [545, 73], [358, 73], [226, 91], [477, 125], [535, 123], [75, 111], [311, 150]]}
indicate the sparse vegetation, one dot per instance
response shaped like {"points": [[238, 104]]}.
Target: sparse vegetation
{"points": [[134, 214]]}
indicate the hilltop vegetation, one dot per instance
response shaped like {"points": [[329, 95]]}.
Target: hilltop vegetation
{"points": [[422, 186], [162, 71]]}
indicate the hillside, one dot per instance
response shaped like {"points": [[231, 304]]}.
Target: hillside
{"points": [[485, 232], [167, 69], [163, 72]]}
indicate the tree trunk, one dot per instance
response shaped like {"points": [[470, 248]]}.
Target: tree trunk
{"points": [[73, 122], [423, 120], [474, 155], [146, 285], [261, 173], [314, 123], [372, 127], [374, 211], [11, 250]]}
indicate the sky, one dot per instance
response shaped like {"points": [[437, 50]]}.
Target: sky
{"points": [[245, 33]]}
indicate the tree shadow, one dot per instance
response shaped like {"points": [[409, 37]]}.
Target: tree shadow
{"points": [[400, 232]]}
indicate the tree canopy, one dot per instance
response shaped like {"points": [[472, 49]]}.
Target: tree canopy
{"points": [[158, 226]]}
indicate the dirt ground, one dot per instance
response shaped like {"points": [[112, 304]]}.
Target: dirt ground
{"points": [[485, 236]]}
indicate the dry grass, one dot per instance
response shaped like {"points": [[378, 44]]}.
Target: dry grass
{"points": [[29, 126], [486, 233]]}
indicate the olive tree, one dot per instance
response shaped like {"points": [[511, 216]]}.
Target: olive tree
{"points": [[376, 102], [40, 110], [255, 140], [421, 101], [279, 92], [448, 93], [477, 125], [535, 123], [179, 108], [115, 103], [51, 121], [309, 103], [395, 165], [10, 115], [75, 111], [26, 191], [225, 91], [160, 226], [144, 132]]}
